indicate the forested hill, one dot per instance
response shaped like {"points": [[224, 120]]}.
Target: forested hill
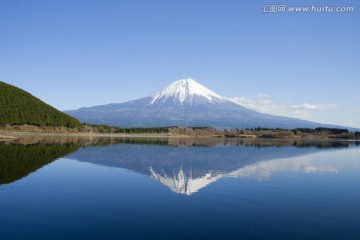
{"points": [[20, 107]]}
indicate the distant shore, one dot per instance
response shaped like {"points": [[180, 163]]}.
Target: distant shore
{"points": [[14, 135], [8, 136], [9, 132]]}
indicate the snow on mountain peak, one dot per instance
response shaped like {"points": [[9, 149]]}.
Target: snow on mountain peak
{"points": [[185, 90]]}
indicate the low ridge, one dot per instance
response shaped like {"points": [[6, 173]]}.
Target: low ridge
{"points": [[20, 107]]}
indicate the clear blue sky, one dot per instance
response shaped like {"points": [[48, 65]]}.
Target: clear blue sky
{"points": [[76, 53]]}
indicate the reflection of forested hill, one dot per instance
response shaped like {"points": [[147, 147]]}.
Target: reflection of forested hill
{"points": [[18, 160]]}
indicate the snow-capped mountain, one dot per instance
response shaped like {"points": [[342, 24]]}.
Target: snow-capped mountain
{"points": [[185, 92], [185, 103]]}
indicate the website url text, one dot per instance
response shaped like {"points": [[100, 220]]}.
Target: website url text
{"points": [[277, 8]]}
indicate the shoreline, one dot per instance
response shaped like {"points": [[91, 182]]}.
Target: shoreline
{"points": [[8, 136], [15, 135], [4, 138], [87, 131]]}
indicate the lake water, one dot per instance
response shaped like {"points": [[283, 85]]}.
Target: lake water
{"points": [[179, 189]]}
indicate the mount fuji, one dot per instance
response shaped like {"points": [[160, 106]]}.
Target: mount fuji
{"points": [[185, 103]]}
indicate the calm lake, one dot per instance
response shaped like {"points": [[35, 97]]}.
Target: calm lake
{"points": [[179, 189]]}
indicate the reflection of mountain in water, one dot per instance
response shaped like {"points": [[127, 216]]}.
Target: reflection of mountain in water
{"points": [[182, 183], [186, 170]]}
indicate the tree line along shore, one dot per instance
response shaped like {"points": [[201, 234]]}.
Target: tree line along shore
{"points": [[86, 129]]}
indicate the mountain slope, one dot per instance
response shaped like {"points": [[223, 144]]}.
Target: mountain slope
{"points": [[20, 107], [185, 103]]}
